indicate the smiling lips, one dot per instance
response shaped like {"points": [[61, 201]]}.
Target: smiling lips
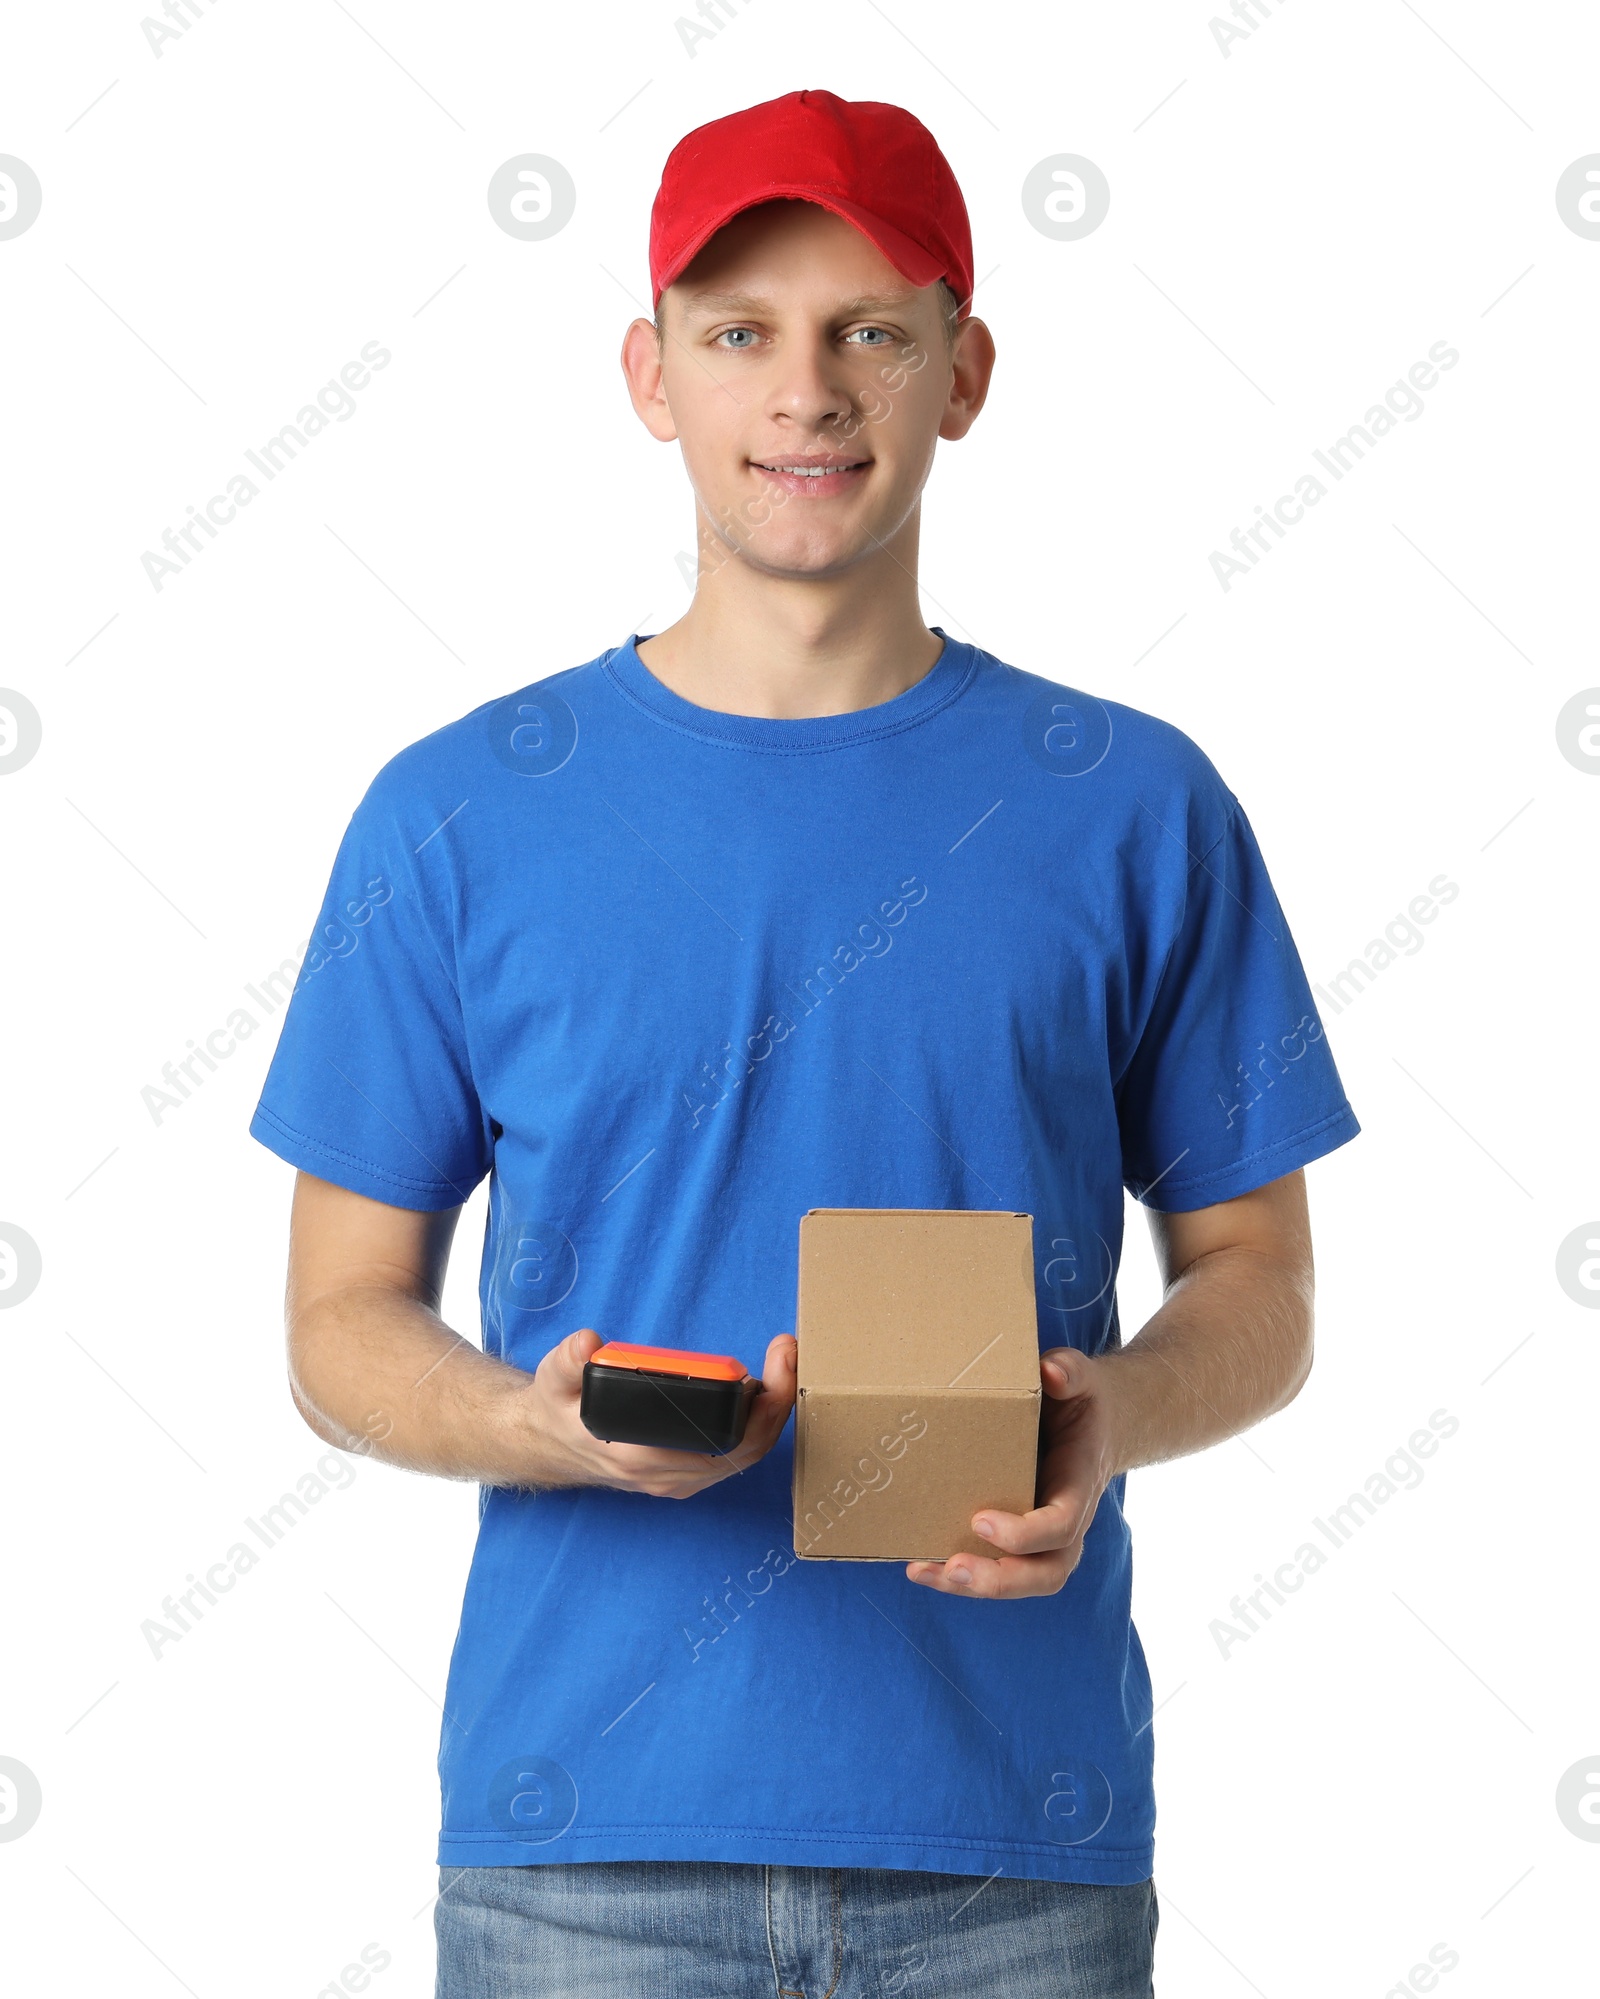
{"points": [[813, 477]]}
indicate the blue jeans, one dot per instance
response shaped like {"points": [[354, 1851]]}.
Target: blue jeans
{"points": [[696, 1929]]}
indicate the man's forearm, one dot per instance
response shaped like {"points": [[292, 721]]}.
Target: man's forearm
{"points": [[1230, 1345], [376, 1371]]}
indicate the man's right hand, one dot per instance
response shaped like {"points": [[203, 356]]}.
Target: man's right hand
{"points": [[565, 1453], [374, 1369]]}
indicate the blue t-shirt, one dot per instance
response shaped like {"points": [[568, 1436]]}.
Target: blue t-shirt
{"points": [[672, 977]]}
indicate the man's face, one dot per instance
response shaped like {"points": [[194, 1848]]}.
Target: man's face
{"points": [[807, 383]]}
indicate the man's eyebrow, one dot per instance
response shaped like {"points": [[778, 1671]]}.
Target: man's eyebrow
{"points": [[706, 304], [878, 302], [709, 302]]}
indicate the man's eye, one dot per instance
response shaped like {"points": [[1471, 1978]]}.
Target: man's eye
{"points": [[740, 336], [871, 336]]}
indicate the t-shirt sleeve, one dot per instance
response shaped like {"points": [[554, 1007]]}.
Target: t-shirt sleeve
{"points": [[1231, 1083], [371, 1085]]}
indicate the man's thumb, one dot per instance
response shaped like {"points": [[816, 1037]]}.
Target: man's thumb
{"points": [[1063, 1373], [576, 1348]]}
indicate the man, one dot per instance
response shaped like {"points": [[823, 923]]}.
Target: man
{"points": [[797, 903]]}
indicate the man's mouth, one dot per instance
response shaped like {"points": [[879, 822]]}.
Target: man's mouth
{"points": [[813, 475]]}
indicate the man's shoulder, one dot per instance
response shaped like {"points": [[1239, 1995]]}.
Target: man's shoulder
{"points": [[522, 728], [1070, 730]]}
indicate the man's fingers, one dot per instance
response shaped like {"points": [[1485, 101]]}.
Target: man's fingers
{"points": [[1040, 1551], [770, 1410], [1057, 1524], [1008, 1577]]}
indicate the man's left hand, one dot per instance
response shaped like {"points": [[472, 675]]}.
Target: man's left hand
{"points": [[1037, 1551]]}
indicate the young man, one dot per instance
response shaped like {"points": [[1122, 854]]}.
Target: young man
{"points": [[797, 903]]}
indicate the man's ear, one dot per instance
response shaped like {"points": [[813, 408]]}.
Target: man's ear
{"points": [[972, 366], [641, 366]]}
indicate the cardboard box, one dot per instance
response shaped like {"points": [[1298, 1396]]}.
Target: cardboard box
{"points": [[918, 1379]]}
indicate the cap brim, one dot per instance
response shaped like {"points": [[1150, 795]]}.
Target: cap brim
{"points": [[914, 264]]}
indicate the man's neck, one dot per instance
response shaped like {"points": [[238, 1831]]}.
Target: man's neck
{"points": [[787, 648]]}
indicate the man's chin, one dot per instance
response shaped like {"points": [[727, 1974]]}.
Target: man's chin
{"points": [[806, 565], [794, 548]]}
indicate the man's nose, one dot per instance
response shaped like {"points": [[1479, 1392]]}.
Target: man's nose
{"points": [[808, 386]]}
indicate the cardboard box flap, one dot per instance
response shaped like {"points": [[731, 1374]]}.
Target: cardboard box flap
{"points": [[907, 1298]]}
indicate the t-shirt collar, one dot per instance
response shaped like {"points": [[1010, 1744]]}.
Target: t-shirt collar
{"points": [[943, 683]]}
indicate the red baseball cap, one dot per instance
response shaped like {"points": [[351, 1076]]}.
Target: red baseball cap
{"points": [[874, 165]]}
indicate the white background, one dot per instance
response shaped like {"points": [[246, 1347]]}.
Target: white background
{"points": [[1374, 1771]]}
